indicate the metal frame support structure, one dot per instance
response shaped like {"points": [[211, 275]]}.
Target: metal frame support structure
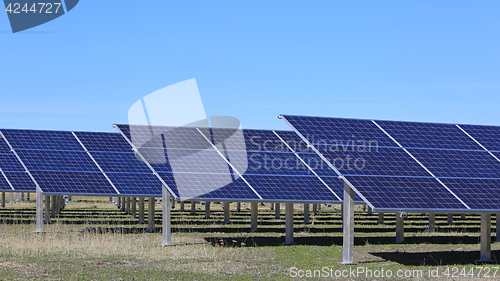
{"points": [[277, 211], [53, 206], [47, 209], [306, 213], [134, 207], [166, 210], [485, 237], [315, 209], [151, 214], [497, 226], [238, 206], [118, 202], [141, 210], [432, 222], [181, 206], [3, 198], [450, 218], [400, 228], [226, 212], [253, 215], [348, 225], [380, 218], [207, 210], [11, 197], [127, 206], [288, 223], [39, 210], [193, 207]]}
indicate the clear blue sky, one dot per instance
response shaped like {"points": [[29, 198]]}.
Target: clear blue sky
{"points": [[401, 60]]}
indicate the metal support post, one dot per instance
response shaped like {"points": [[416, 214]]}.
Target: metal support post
{"points": [[11, 197], [277, 211], [369, 212], [151, 214], [497, 225], [315, 208], [28, 196], [124, 203], [238, 206], [450, 218], [288, 223], [226, 212], [134, 207], [462, 216], [53, 206], [271, 206], [193, 207], [47, 208], [17, 197], [254, 211], [141, 209], [118, 202], [485, 237], [39, 210], [348, 251], [364, 207], [432, 222], [400, 228], [22, 196], [173, 202], [181, 206], [207, 210], [306, 213], [3, 198], [127, 206], [380, 218], [166, 209]]}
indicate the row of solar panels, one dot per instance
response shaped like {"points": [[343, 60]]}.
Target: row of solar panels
{"points": [[193, 163], [409, 165]]}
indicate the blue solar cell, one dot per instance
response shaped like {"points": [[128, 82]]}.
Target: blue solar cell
{"points": [[458, 163], [428, 135], [284, 163], [35, 139], [487, 136], [21, 181], [9, 162], [73, 182], [294, 141], [4, 185], [136, 184], [166, 137], [47, 160], [378, 161], [476, 193], [263, 140], [294, 188], [208, 186], [120, 162], [104, 141], [405, 193], [340, 132], [4, 147]]}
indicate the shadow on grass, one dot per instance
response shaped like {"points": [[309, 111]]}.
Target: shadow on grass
{"points": [[263, 241], [435, 258]]}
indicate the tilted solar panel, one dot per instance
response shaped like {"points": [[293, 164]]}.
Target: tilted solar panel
{"points": [[21, 181], [96, 141], [476, 193], [41, 140], [487, 136]]}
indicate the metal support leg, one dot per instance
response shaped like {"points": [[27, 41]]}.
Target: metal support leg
{"points": [[364, 207], [141, 209], [118, 202], [11, 197], [400, 229], [238, 206], [166, 209], [485, 237], [315, 208], [497, 225], [39, 210], [193, 207], [127, 208], [207, 210], [3, 198], [22, 196], [450, 218], [124, 203], [181, 206], [288, 223], [173, 203], [348, 251], [277, 211], [47, 209], [253, 222], [53, 200], [432, 222], [306, 213], [226, 212], [271, 206], [369, 212], [462, 216], [17, 197], [380, 218], [134, 207], [151, 214]]}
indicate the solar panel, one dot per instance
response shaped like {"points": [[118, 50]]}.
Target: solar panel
{"points": [[9, 162], [95, 141], [458, 163], [4, 148], [4, 184], [21, 181], [428, 135], [42, 140], [405, 193], [73, 182], [126, 162], [338, 131], [295, 142], [487, 136], [136, 183], [50, 160], [476, 193]]}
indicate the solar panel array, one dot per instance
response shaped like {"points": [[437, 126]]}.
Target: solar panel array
{"points": [[410, 165], [13, 175]]}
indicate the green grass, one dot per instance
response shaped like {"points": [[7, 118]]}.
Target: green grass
{"points": [[92, 240]]}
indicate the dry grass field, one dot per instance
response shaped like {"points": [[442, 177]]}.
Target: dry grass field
{"points": [[93, 240]]}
